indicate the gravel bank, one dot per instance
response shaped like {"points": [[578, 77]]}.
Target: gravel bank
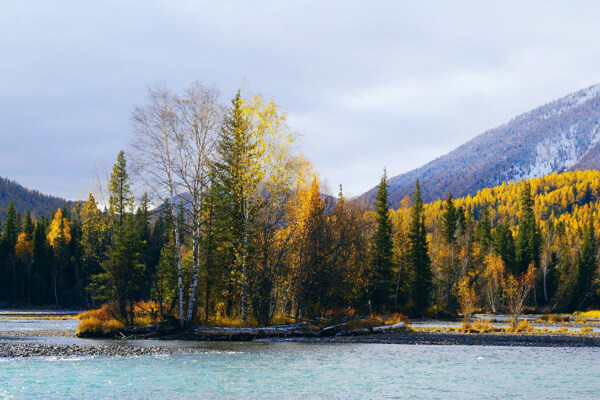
{"points": [[472, 339], [47, 350]]}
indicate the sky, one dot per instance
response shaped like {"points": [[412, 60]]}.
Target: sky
{"points": [[368, 85]]}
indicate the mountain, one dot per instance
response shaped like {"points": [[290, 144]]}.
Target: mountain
{"points": [[563, 135], [26, 199]]}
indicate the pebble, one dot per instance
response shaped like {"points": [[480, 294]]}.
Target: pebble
{"points": [[49, 350]]}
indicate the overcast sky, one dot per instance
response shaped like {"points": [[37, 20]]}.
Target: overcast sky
{"points": [[368, 84]]}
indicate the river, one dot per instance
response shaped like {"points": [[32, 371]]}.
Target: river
{"points": [[288, 370]]}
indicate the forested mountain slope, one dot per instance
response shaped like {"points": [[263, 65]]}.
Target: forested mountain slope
{"points": [[26, 199], [560, 136]]}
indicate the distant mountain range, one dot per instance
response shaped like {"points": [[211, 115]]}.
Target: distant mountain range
{"points": [[560, 136], [26, 199]]}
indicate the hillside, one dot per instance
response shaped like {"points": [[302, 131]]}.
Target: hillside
{"points": [[560, 136], [26, 199]]}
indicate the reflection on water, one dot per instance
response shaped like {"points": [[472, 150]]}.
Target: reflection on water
{"points": [[298, 371]]}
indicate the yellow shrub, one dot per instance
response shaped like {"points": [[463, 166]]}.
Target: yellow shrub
{"points": [[483, 326], [563, 329], [586, 329], [591, 314], [523, 327], [554, 318], [93, 324]]}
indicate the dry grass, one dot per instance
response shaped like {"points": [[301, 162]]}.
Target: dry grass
{"points": [[483, 326], [591, 314], [523, 327], [554, 318], [93, 324], [230, 322], [107, 318]]}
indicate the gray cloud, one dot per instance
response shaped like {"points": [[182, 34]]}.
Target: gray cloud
{"points": [[390, 84]]}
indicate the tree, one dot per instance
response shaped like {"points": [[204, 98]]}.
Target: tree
{"points": [[156, 153], [239, 176], [9, 238], [528, 238], [504, 246], [59, 236], [449, 220], [587, 265], [516, 289], [420, 263], [382, 263], [123, 266], [467, 297]]}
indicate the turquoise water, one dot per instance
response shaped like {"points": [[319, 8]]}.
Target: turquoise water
{"points": [[22, 324], [305, 371]]}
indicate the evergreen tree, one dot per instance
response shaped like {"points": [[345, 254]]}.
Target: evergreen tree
{"points": [[504, 246], [8, 260], [382, 263], [28, 224], [528, 238], [124, 265], [238, 175], [587, 266], [420, 263], [449, 220], [484, 232]]}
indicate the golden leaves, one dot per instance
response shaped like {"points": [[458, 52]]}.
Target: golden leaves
{"points": [[60, 228]]}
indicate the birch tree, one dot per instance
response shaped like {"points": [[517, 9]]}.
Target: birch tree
{"points": [[174, 140]]}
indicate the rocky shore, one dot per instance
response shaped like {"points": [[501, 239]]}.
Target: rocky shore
{"points": [[49, 350], [464, 339]]}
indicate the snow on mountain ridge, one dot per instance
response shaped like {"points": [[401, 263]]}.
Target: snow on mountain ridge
{"points": [[561, 135], [573, 100]]}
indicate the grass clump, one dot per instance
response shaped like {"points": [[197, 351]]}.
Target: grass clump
{"points": [[483, 326], [591, 314], [523, 326], [107, 319], [554, 318]]}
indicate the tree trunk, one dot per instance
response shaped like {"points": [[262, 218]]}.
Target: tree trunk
{"points": [[194, 284]]}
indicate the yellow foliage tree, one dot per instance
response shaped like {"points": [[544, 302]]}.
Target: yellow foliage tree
{"points": [[59, 228]]}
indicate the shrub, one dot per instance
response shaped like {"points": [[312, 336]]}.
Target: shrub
{"points": [[591, 314], [523, 327], [586, 329], [106, 318], [554, 318], [483, 326], [563, 329]]}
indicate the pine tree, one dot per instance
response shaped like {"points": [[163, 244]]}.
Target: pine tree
{"points": [[420, 263], [28, 224], [124, 265], [382, 263], [484, 232], [238, 174], [449, 220], [504, 246], [587, 266], [9, 238], [121, 200], [529, 238]]}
